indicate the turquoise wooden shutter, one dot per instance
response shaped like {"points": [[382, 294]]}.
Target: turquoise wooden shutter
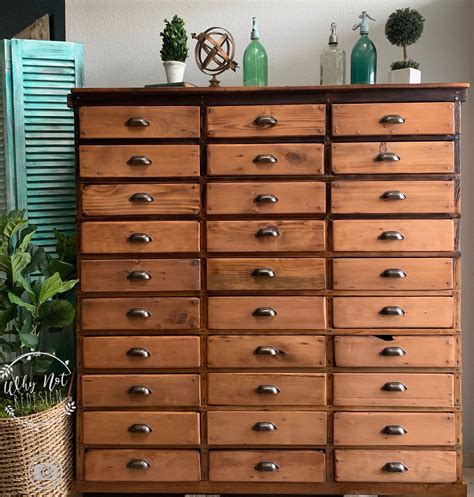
{"points": [[43, 73]]}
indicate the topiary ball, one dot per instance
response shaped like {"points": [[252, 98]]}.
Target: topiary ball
{"points": [[404, 27]]}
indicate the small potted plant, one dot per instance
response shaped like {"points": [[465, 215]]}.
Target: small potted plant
{"points": [[174, 51], [403, 28]]}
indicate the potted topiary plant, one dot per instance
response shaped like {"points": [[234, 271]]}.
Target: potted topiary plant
{"points": [[403, 28], [174, 51], [36, 422]]}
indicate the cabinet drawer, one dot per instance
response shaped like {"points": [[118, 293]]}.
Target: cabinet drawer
{"points": [[399, 351], [266, 120], [266, 236], [137, 275], [266, 428], [148, 313], [393, 274], [273, 389], [434, 118], [430, 466], [139, 199], [392, 197], [399, 235], [120, 237], [140, 428], [394, 389], [267, 159], [266, 274], [126, 465], [138, 161], [266, 198], [266, 351], [393, 157], [269, 313], [137, 352], [149, 121], [393, 312], [267, 466], [394, 428], [152, 390]]}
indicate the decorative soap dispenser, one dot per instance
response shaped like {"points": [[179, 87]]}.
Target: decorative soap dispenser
{"points": [[255, 60], [333, 61], [364, 55]]}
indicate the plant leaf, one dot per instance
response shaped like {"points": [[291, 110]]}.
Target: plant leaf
{"points": [[54, 285], [56, 313], [14, 299]]}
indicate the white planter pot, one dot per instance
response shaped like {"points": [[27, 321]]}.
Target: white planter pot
{"points": [[407, 75], [174, 71]]}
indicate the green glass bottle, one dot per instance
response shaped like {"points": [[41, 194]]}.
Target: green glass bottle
{"points": [[255, 60], [364, 55]]}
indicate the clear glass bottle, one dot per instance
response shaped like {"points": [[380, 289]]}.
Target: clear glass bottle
{"points": [[364, 55], [255, 60], [333, 62]]}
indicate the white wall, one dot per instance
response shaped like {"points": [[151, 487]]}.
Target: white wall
{"points": [[122, 45]]}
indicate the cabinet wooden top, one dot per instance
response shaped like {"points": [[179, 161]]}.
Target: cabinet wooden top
{"points": [[285, 94]]}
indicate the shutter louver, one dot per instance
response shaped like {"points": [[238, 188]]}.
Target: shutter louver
{"points": [[43, 74]]}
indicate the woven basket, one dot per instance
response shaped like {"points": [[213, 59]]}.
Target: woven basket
{"points": [[36, 454]]}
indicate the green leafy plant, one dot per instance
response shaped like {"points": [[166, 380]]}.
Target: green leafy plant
{"points": [[31, 283], [403, 28], [175, 40]]}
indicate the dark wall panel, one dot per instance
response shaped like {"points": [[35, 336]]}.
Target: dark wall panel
{"points": [[16, 15]]}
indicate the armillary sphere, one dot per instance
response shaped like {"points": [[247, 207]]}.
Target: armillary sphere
{"points": [[214, 52]]}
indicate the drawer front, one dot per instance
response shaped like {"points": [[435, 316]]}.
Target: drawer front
{"points": [[267, 466], [161, 465], [269, 313], [135, 352], [393, 157], [266, 198], [394, 428], [273, 389], [430, 466], [134, 390], [393, 274], [393, 312], [140, 275], [139, 121], [264, 351], [392, 197], [399, 351], [265, 159], [140, 428], [148, 313], [394, 389], [266, 428], [434, 118], [140, 199], [266, 274], [266, 120], [119, 237], [399, 235], [138, 161], [266, 236]]}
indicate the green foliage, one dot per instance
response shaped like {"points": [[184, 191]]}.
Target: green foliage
{"points": [[31, 306], [404, 27], [405, 64], [175, 40]]}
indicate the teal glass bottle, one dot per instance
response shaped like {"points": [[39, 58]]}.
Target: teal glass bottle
{"points": [[255, 60], [364, 55]]}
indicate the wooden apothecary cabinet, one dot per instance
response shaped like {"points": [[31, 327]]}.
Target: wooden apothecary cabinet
{"points": [[269, 297]]}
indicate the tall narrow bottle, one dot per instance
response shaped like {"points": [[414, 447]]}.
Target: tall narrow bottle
{"points": [[255, 60], [333, 61], [364, 55]]}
